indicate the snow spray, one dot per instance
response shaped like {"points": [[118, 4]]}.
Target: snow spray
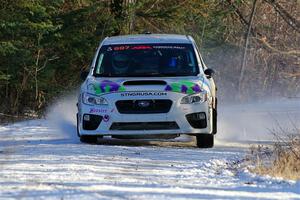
{"points": [[256, 121], [62, 116]]}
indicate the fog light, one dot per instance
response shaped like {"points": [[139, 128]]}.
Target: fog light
{"points": [[86, 117], [200, 116]]}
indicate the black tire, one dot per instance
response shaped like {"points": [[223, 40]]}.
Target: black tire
{"points": [[205, 140], [89, 139]]}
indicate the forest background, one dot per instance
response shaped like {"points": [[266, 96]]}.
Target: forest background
{"points": [[253, 45]]}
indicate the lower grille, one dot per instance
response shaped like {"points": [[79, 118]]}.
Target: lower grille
{"points": [[126, 126], [146, 106]]}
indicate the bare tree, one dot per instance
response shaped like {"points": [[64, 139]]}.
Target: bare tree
{"points": [[246, 43]]}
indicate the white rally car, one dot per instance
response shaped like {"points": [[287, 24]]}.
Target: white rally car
{"points": [[148, 84]]}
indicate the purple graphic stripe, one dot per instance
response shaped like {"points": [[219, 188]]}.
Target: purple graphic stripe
{"points": [[113, 86], [184, 88], [196, 88], [168, 88]]}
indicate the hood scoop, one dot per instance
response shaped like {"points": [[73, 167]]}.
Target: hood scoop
{"points": [[145, 82]]}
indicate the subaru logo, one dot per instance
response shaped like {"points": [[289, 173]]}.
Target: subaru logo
{"points": [[143, 104]]}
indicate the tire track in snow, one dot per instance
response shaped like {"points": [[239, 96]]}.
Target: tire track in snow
{"points": [[46, 165], [47, 161]]}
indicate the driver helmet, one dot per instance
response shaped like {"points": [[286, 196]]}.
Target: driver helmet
{"points": [[120, 63]]}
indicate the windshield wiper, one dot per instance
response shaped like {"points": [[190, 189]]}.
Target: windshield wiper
{"points": [[176, 74], [127, 75], [153, 74], [102, 75]]}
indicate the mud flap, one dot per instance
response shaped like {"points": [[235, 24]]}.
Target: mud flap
{"points": [[214, 131], [77, 125], [215, 118]]}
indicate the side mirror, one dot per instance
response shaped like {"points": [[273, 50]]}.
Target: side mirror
{"points": [[83, 75], [209, 72]]}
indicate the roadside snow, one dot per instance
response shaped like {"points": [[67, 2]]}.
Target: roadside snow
{"points": [[43, 159], [38, 162]]}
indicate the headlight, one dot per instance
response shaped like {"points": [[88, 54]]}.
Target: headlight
{"points": [[195, 98], [93, 100]]}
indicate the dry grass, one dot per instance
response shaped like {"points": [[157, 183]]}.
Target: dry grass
{"points": [[282, 159]]}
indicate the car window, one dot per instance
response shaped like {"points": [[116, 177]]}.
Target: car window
{"points": [[146, 60]]}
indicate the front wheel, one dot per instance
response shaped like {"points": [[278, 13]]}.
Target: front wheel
{"points": [[205, 140], [89, 139]]}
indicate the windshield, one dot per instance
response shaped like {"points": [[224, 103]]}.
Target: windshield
{"points": [[144, 60]]}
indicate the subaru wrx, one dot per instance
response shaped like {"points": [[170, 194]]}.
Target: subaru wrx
{"points": [[148, 84]]}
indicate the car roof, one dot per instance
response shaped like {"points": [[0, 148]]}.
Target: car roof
{"points": [[147, 39]]}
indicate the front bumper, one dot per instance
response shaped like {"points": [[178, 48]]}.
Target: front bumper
{"points": [[179, 120]]}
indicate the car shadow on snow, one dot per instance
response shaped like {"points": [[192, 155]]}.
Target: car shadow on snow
{"points": [[177, 142]]}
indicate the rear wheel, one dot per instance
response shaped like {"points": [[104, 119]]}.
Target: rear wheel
{"points": [[205, 140]]}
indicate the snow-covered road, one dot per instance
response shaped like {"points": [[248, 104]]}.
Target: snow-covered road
{"points": [[37, 161]]}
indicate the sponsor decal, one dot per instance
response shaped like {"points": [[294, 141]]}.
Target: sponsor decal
{"points": [[121, 48], [186, 87], [98, 110], [106, 118], [130, 94], [126, 47], [142, 47], [168, 47]]}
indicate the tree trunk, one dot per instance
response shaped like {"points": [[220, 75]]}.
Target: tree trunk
{"points": [[117, 10], [246, 43]]}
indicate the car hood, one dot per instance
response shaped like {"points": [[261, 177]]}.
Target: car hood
{"points": [[185, 85]]}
